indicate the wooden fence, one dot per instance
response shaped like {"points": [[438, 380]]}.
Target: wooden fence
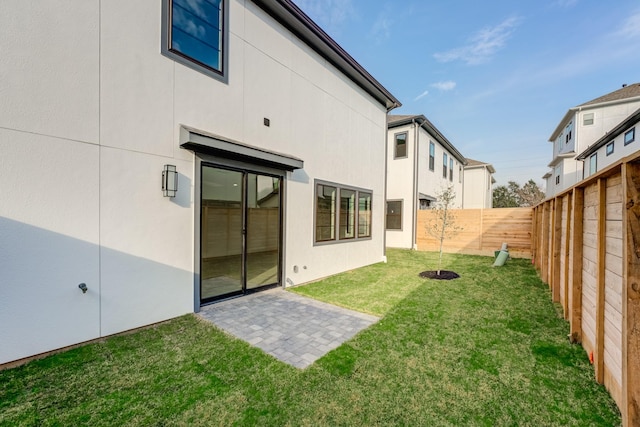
{"points": [[482, 231], [586, 247]]}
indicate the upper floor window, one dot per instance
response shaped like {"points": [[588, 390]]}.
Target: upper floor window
{"points": [[587, 119], [629, 136], [451, 169], [593, 163], [400, 145], [460, 174], [432, 156], [610, 148], [444, 165], [193, 34], [568, 132]]}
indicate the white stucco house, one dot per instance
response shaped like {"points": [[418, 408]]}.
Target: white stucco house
{"points": [[108, 106], [619, 142], [421, 162], [478, 185], [580, 128]]}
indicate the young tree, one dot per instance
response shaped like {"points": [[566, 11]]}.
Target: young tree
{"points": [[443, 223]]}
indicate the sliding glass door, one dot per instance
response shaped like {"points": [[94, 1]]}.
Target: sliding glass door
{"points": [[239, 233]]}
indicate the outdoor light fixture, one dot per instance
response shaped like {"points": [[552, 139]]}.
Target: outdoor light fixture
{"points": [[169, 181]]}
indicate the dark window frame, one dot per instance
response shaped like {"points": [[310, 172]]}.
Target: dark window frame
{"points": [[386, 214], [395, 145], [445, 165], [337, 213], [593, 164], [610, 145], [631, 134], [451, 169], [167, 50], [432, 156]]}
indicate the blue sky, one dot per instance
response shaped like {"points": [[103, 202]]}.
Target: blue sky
{"points": [[494, 76]]}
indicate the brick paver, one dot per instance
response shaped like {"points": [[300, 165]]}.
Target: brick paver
{"points": [[290, 327]]}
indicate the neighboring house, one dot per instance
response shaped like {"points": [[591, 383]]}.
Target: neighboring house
{"points": [[244, 104], [421, 162], [581, 127], [619, 142], [478, 185]]}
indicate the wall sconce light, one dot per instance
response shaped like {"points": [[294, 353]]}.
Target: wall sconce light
{"points": [[169, 181]]}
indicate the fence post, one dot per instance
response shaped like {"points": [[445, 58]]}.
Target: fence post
{"points": [[544, 246], [575, 281], [565, 256], [600, 291], [631, 296], [557, 238]]}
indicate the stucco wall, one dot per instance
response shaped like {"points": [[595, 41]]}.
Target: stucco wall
{"points": [[403, 172], [91, 112], [477, 188]]}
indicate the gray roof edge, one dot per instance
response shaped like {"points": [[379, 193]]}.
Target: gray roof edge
{"points": [[296, 21], [488, 166]]}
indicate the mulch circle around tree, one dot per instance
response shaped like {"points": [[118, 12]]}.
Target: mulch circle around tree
{"points": [[444, 275]]}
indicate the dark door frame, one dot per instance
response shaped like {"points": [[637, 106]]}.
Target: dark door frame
{"points": [[245, 169]]}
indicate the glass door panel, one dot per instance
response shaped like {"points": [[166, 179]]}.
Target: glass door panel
{"points": [[222, 222], [263, 230]]}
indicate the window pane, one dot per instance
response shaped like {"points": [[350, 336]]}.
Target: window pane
{"points": [[347, 214], [364, 214], [450, 169], [325, 213], [593, 164], [587, 119], [630, 136], [394, 215], [609, 148], [432, 155], [444, 165], [401, 145], [196, 30]]}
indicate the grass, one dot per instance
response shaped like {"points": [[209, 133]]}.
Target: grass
{"points": [[486, 349]]}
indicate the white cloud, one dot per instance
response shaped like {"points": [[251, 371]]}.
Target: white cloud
{"points": [[631, 27], [444, 86], [422, 95], [188, 25], [329, 14], [483, 45]]}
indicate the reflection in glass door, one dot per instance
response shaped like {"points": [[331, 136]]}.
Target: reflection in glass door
{"points": [[221, 233], [240, 232], [263, 230]]}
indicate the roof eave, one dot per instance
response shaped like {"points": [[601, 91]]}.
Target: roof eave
{"points": [[560, 157]]}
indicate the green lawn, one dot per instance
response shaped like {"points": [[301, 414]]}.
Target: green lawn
{"points": [[486, 349]]}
